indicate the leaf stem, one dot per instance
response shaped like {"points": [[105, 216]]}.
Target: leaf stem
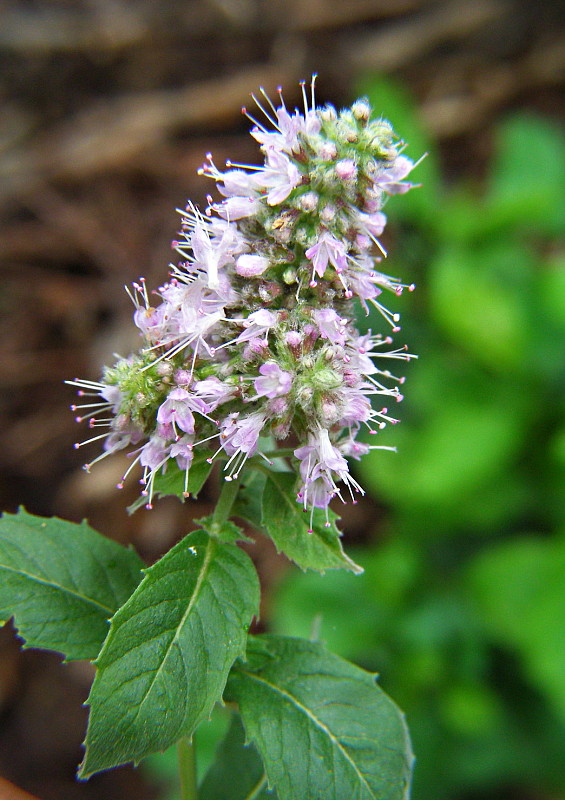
{"points": [[187, 769], [225, 502]]}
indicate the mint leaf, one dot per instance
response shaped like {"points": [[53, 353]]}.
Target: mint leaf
{"points": [[288, 526], [324, 729], [173, 481], [225, 532], [238, 771], [62, 582], [248, 502], [166, 659]]}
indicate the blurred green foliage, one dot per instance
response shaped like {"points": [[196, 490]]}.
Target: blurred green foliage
{"points": [[462, 604]]}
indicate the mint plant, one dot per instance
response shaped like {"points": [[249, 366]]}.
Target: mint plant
{"points": [[251, 359]]}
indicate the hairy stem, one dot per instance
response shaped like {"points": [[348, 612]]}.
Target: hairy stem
{"points": [[187, 769], [225, 502]]}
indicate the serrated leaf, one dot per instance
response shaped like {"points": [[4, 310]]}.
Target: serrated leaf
{"points": [[237, 771], [288, 526], [62, 582], [173, 481], [166, 659], [324, 729]]}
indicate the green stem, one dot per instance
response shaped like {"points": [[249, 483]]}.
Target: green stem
{"points": [[185, 748], [225, 502], [187, 769]]}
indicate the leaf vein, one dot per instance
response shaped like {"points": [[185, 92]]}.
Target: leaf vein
{"points": [[318, 722], [54, 585]]}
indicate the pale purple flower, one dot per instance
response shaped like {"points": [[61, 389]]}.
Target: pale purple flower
{"points": [[319, 456], [356, 407], [214, 392], [327, 250], [236, 182], [273, 382], [363, 241], [257, 324], [181, 450], [250, 266], [113, 395], [316, 494], [177, 410], [155, 453], [116, 441], [149, 321], [236, 207], [189, 327], [279, 177], [211, 254], [256, 349], [330, 325], [293, 339], [371, 224], [285, 137], [239, 438], [229, 232], [352, 448], [320, 459], [361, 283], [391, 180]]}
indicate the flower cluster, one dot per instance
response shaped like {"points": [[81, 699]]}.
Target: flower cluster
{"points": [[251, 345]]}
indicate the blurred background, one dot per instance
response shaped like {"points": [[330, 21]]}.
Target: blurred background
{"points": [[108, 109]]}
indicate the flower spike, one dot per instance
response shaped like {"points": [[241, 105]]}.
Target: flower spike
{"points": [[252, 338]]}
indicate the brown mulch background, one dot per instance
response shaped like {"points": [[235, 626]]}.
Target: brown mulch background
{"points": [[108, 108]]}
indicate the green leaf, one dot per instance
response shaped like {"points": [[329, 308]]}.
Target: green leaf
{"points": [[480, 298], [249, 499], [173, 481], [458, 451], [324, 729], [238, 771], [527, 185], [166, 659], [225, 532], [518, 586], [62, 582], [288, 526]]}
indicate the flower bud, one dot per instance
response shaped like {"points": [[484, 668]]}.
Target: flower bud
{"points": [[346, 169], [249, 266], [328, 213], [309, 201], [361, 110], [328, 151]]}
